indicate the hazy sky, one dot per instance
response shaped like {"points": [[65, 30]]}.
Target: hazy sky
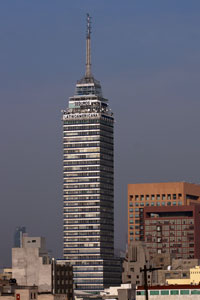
{"points": [[146, 53]]}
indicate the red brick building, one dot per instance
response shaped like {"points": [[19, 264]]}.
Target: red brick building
{"points": [[173, 229], [164, 194]]}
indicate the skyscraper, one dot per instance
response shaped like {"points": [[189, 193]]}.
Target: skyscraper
{"points": [[18, 234], [88, 183]]}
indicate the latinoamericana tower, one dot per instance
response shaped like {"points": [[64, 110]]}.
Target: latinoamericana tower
{"points": [[88, 175]]}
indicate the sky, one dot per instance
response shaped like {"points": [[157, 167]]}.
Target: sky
{"points": [[146, 55]]}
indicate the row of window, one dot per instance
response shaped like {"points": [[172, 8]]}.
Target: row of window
{"points": [[90, 127], [171, 222], [174, 203], [155, 197], [84, 168], [88, 133], [91, 174], [88, 151], [170, 292], [88, 186], [88, 121], [89, 138], [81, 180]]}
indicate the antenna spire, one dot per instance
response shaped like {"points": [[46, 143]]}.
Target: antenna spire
{"points": [[88, 73]]}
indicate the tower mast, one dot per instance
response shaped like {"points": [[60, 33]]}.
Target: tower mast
{"points": [[88, 73]]}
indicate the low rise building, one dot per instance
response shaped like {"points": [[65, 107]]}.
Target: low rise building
{"points": [[178, 268], [137, 255], [123, 292], [169, 292], [6, 274], [194, 277]]}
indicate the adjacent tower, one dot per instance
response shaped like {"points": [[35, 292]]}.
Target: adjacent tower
{"points": [[88, 183]]}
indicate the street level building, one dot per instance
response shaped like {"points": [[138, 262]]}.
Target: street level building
{"points": [[88, 191], [156, 195], [173, 230], [169, 292]]}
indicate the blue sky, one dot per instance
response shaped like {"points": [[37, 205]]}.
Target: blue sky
{"points": [[146, 55]]}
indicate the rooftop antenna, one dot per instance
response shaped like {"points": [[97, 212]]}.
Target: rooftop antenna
{"points": [[88, 73]]}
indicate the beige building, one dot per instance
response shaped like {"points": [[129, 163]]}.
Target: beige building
{"points": [[30, 293], [137, 255], [178, 269], [6, 274], [193, 279], [156, 194]]}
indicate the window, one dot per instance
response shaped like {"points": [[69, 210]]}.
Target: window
{"points": [[131, 209], [136, 197], [154, 292], [184, 292], [158, 203], [158, 197], [174, 292], [140, 293], [179, 202], [152, 204], [152, 197], [168, 197], [174, 196], [163, 203], [168, 203], [142, 198], [147, 197], [195, 292], [147, 204], [174, 203], [163, 196], [164, 292]]}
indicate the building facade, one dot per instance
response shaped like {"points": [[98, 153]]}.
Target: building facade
{"points": [[173, 230], [88, 190], [156, 194]]}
